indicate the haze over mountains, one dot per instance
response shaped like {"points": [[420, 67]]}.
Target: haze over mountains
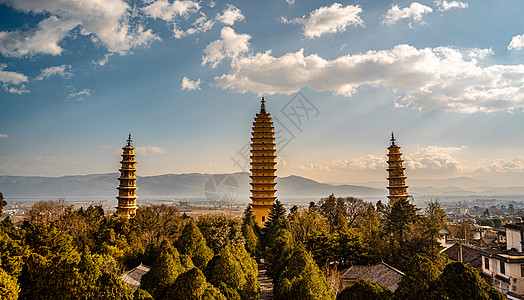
{"points": [[237, 184]]}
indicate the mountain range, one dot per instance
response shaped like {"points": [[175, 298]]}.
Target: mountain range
{"points": [[233, 185]]}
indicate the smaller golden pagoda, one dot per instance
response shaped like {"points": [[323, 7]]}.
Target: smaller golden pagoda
{"points": [[397, 181], [127, 188]]}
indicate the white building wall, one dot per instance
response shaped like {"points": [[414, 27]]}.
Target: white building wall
{"points": [[513, 239]]}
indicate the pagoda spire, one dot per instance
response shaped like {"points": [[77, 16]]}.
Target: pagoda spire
{"points": [[392, 138], [397, 180], [263, 106], [127, 187], [263, 166]]}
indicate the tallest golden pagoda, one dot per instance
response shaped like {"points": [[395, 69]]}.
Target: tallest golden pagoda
{"points": [[397, 180], [263, 165]]}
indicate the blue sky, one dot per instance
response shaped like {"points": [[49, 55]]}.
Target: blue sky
{"points": [[186, 78]]}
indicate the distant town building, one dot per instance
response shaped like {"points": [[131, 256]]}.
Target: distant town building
{"points": [[504, 270], [262, 165], [127, 188], [397, 181]]}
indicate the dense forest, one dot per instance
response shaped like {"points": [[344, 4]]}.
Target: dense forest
{"points": [[60, 252]]}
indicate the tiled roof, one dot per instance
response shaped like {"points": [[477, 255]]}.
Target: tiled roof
{"points": [[133, 276], [470, 256], [380, 273]]}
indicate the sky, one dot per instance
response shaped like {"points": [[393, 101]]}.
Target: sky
{"points": [[186, 78]]}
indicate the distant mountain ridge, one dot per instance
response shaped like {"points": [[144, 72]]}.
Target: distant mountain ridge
{"points": [[200, 185], [181, 185]]}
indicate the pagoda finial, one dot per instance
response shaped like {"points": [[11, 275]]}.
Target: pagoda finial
{"points": [[263, 106], [129, 141], [392, 139]]}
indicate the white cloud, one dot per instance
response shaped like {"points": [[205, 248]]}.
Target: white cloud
{"points": [[500, 165], [329, 19], [9, 78], [3, 136], [79, 96], [145, 150], [430, 78], [61, 71], [434, 158], [369, 162], [445, 5], [189, 85], [230, 15], [414, 11], [107, 22], [230, 45], [517, 42], [201, 24], [161, 9], [42, 40]]}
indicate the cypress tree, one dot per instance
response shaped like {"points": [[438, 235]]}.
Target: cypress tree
{"points": [[192, 243], [189, 285], [364, 290], [9, 287]]}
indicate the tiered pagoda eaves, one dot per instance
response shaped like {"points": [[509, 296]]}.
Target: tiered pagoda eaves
{"points": [[262, 165], [397, 181], [127, 188]]}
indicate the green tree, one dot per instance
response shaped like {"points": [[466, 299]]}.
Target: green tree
{"points": [[110, 286], [3, 203], [369, 226], [304, 222], [418, 280], [163, 273], [399, 216], [249, 217], [301, 278], [279, 247], [192, 243], [225, 268], [344, 247], [157, 223], [141, 294], [252, 240], [436, 214], [350, 248], [212, 293], [364, 290], [460, 282], [9, 287], [219, 231], [277, 216], [189, 285]]}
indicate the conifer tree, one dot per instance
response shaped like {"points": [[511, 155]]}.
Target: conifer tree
{"points": [[252, 242], [364, 290], [276, 216], [225, 268], [301, 278], [418, 281], [141, 294], [459, 281], [212, 293], [189, 285], [192, 243], [3, 203], [163, 273], [110, 286], [9, 287]]}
